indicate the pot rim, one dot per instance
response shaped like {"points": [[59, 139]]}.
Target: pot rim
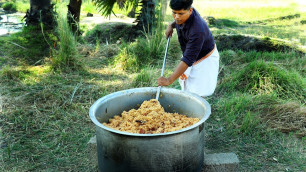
{"points": [[148, 89]]}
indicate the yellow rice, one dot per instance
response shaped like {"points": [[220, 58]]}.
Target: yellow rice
{"points": [[150, 118]]}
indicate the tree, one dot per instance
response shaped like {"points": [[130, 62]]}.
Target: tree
{"points": [[40, 11], [145, 20], [146, 17], [164, 7], [74, 9]]}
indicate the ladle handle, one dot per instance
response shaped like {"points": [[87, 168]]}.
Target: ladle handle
{"points": [[163, 68]]}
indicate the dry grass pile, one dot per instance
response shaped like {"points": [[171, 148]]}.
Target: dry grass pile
{"points": [[99, 51], [288, 117], [247, 43], [266, 78]]}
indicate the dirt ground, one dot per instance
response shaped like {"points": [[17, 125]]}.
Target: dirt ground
{"points": [[98, 19]]}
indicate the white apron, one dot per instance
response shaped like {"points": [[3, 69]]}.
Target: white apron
{"points": [[201, 77]]}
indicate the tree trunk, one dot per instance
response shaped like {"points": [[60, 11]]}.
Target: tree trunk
{"points": [[74, 10], [146, 19], [164, 8], [132, 12], [40, 11]]}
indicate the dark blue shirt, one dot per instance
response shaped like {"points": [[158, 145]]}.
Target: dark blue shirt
{"points": [[195, 38]]}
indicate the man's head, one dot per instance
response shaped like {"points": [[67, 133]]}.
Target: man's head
{"points": [[181, 10]]}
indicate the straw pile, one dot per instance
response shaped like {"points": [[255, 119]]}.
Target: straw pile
{"points": [[288, 117]]}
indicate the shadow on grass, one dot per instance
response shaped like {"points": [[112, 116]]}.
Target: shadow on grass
{"points": [[29, 46], [288, 17], [112, 32], [46, 116], [247, 43]]}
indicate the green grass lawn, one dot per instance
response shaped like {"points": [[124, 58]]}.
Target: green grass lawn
{"points": [[247, 14], [258, 109]]}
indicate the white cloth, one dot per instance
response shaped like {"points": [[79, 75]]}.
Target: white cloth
{"points": [[202, 77]]}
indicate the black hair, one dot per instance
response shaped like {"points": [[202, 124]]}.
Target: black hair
{"points": [[180, 4]]}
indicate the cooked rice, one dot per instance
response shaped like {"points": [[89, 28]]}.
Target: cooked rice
{"points": [[150, 118]]}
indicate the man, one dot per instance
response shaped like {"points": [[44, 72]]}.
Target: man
{"points": [[199, 66]]}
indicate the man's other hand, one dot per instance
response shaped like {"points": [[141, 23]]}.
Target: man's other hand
{"points": [[169, 31]]}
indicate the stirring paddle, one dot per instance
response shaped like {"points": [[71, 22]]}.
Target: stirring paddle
{"points": [[163, 68]]}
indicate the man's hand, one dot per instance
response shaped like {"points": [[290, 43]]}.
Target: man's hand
{"points": [[162, 81], [169, 30], [180, 69]]}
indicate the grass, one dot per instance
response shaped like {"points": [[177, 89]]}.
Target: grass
{"points": [[144, 51], [258, 109], [244, 13], [289, 30], [29, 46], [247, 43], [259, 77], [22, 5], [246, 10], [239, 124], [88, 7], [104, 33], [67, 57]]}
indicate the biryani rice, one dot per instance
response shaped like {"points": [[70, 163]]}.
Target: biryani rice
{"points": [[150, 118]]}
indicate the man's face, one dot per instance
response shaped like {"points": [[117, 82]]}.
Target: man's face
{"points": [[181, 16]]}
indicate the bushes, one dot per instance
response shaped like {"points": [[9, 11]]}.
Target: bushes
{"points": [[111, 33], [23, 5], [142, 52], [67, 57], [126, 61], [13, 6], [146, 78], [9, 6], [150, 49], [34, 45], [146, 49]]}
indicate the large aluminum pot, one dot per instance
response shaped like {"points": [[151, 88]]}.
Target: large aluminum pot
{"points": [[179, 151]]}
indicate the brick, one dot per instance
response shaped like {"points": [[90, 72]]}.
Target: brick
{"points": [[221, 162], [92, 152]]}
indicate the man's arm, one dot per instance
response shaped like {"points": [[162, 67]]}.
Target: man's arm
{"points": [[193, 47], [180, 69], [169, 30], [173, 24]]}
